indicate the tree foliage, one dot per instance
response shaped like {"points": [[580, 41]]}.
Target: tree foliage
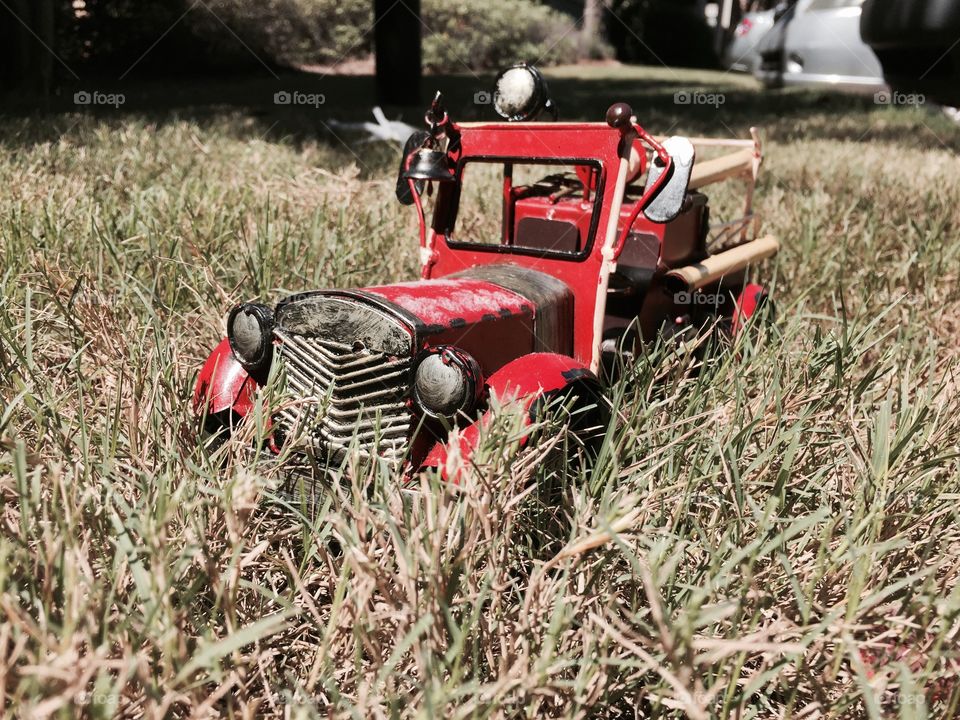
{"points": [[144, 37]]}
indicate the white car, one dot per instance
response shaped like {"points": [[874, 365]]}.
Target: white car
{"points": [[817, 42], [742, 53]]}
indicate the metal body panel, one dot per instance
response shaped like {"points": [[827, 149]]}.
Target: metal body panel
{"points": [[461, 301], [742, 54], [526, 380], [592, 142], [551, 299], [469, 313], [347, 320], [826, 43], [819, 43], [748, 302], [223, 384]]}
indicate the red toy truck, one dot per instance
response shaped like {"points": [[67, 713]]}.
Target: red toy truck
{"points": [[552, 247]]}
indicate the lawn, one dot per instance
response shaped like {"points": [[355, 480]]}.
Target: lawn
{"points": [[775, 535]]}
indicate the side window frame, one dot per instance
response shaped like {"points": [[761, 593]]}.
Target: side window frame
{"points": [[448, 226]]}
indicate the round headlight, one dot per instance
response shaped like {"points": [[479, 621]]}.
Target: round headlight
{"points": [[250, 332], [520, 93], [448, 382]]}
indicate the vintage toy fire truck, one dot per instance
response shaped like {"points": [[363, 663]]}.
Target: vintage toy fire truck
{"points": [[551, 248]]}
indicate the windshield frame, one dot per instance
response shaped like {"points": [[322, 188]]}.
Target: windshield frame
{"points": [[448, 227]]}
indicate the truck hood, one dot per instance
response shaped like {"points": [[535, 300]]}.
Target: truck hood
{"points": [[496, 313]]}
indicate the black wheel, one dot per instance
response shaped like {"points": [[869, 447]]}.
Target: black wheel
{"points": [[215, 429]]}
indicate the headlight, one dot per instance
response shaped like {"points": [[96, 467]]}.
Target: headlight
{"points": [[521, 93], [250, 332], [448, 382]]}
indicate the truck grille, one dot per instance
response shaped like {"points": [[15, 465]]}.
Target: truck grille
{"points": [[344, 392]]}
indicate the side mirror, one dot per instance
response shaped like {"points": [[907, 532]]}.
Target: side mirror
{"points": [[667, 204]]}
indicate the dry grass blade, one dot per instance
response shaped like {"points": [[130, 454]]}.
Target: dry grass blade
{"points": [[770, 532]]}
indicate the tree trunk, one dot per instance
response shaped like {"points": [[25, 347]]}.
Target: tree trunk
{"points": [[590, 32], [398, 53], [28, 40], [46, 30]]}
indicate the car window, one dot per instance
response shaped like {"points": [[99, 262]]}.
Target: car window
{"points": [[833, 4], [540, 208]]}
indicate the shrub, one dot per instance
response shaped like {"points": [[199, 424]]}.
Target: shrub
{"points": [[176, 36], [485, 34], [466, 35]]}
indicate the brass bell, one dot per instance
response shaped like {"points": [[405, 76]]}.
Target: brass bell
{"points": [[430, 165]]}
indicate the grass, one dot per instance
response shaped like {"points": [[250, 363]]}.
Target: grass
{"points": [[774, 536]]}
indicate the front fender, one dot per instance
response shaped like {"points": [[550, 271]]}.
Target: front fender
{"points": [[529, 380], [533, 376], [223, 384], [748, 302]]}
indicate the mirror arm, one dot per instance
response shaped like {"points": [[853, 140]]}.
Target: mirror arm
{"points": [[653, 143], [663, 156]]}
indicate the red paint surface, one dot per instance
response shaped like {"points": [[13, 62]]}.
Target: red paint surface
{"points": [[534, 375], [437, 302], [747, 303], [538, 143], [493, 343], [548, 141], [493, 324], [525, 379], [575, 211], [223, 384]]}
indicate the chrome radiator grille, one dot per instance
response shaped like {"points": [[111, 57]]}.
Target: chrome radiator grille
{"points": [[340, 392]]}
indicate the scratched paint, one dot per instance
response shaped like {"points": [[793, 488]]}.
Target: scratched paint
{"points": [[439, 302]]}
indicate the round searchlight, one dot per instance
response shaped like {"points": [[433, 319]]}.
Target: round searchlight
{"points": [[447, 382], [250, 332], [520, 93]]}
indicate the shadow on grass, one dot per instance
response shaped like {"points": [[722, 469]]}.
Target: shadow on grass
{"points": [[718, 104]]}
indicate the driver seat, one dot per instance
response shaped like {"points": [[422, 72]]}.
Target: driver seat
{"points": [[548, 235]]}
